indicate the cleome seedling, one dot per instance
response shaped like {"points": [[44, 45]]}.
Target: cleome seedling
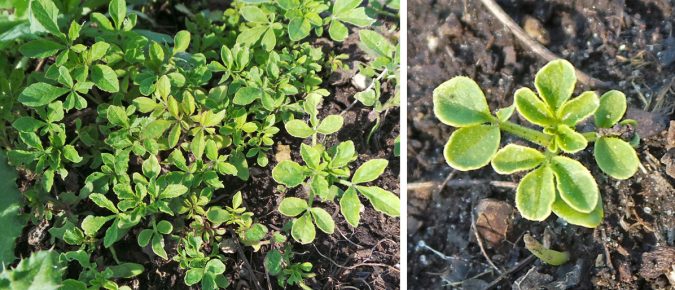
{"points": [[554, 182]]}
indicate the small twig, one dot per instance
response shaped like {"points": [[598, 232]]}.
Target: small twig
{"points": [[480, 244], [537, 48], [40, 63], [460, 183], [354, 266], [513, 269]]}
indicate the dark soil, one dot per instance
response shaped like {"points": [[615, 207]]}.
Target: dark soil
{"points": [[629, 44]]}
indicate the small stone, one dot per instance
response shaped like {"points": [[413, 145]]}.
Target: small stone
{"points": [[283, 153], [648, 210], [493, 220], [432, 43], [360, 82], [536, 30], [670, 139]]}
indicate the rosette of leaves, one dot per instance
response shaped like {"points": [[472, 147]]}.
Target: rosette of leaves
{"points": [[322, 172], [40, 270], [250, 233], [301, 129], [207, 269], [555, 183]]}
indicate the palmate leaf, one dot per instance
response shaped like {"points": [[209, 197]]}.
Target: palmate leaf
{"points": [[460, 102], [616, 157], [575, 184], [472, 147]]}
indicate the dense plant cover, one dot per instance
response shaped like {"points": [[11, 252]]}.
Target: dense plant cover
{"points": [[157, 122], [555, 182]]}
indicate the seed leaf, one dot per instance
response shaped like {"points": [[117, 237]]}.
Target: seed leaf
{"points": [[555, 82], [513, 158], [575, 184], [611, 109], [536, 194], [292, 206], [382, 200], [472, 147], [616, 157], [460, 102]]}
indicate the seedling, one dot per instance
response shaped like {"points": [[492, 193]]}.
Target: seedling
{"points": [[551, 257], [555, 182]]}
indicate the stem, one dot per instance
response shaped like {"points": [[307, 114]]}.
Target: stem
{"points": [[528, 134], [344, 182]]}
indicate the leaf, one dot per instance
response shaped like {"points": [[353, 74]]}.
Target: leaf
{"points": [[193, 276], [64, 77], [127, 270], [117, 116], [151, 167], [172, 191], [589, 220], [298, 128], [382, 200], [181, 41], [70, 153], [616, 157], [273, 262], [324, 221], [157, 245], [298, 28], [337, 31], [344, 153], [369, 171], [375, 44], [569, 140], [145, 105], [547, 255], [198, 144], [367, 97], [118, 11], [41, 270], [288, 173], [504, 114], [28, 124], [247, 95], [40, 48], [330, 125], [98, 50], [91, 224], [163, 86], [215, 266], [472, 147], [459, 102], [45, 12], [292, 206], [350, 207], [269, 40], [255, 234], [611, 109], [155, 129], [311, 155], [532, 108], [164, 227], [105, 78], [11, 217], [579, 108], [303, 229], [253, 14], [102, 201], [217, 215], [513, 158], [40, 94], [555, 82], [356, 17], [575, 184], [535, 194]]}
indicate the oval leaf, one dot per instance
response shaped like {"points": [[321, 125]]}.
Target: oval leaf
{"points": [[382, 200], [555, 82], [323, 220], [536, 194], [532, 108], [303, 229], [472, 147], [575, 184], [350, 207], [611, 109], [616, 157], [569, 140], [460, 102], [513, 158], [369, 171], [330, 124], [589, 220], [288, 173], [579, 108], [292, 206], [298, 128]]}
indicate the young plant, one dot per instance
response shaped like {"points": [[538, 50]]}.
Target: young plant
{"points": [[555, 182]]}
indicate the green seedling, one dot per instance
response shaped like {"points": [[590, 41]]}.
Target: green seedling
{"points": [[327, 126], [279, 263], [207, 269], [547, 255], [41, 269], [92, 277], [555, 182]]}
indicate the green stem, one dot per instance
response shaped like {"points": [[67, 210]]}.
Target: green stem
{"points": [[528, 134]]}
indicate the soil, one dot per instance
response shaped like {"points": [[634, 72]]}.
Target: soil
{"points": [[366, 257], [630, 45]]}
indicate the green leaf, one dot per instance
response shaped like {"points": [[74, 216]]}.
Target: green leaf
{"points": [[41, 270], [569, 140], [292, 206], [311, 155], [350, 207], [535, 194], [269, 40], [472, 147], [40, 48], [369, 171], [382, 200], [303, 229], [218, 215], [375, 44], [64, 77], [145, 105], [198, 144], [247, 95], [163, 86], [555, 82], [616, 157], [45, 12], [338, 31], [164, 227], [298, 28], [288, 173], [157, 245], [91, 224], [367, 97], [11, 217], [117, 116], [513, 158], [330, 125], [118, 11], [589, 220], [40, 94], [532, 108], [460, 102], [151, 167], [579, 108], [298, 128], [155, 129], [215, 266], [127, 270], [70, 153], [504, 114], [172, 191], [98, 50], [193, 276], [105, 78], [102, 201], [611, 109], [181, 41], [356, 17], [324, 221], [28, 124], [575, 184], [344, 153], [273, 262], [253, 14], [547, 255]]}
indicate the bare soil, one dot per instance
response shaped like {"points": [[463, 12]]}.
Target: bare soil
{"points": [[629, 44]]}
